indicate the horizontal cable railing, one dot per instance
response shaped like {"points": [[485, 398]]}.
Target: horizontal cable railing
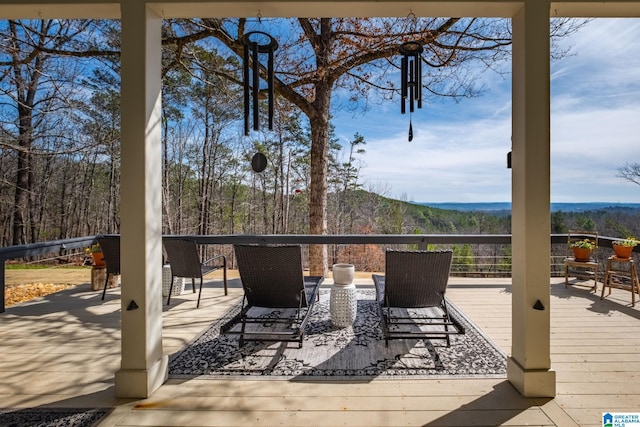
{"points": [[476, 255]]}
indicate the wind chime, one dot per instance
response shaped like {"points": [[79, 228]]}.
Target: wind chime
{"points": [[256, 45], [411, 74]]}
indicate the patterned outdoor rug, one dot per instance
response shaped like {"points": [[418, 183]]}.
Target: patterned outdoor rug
{"points": [[329, 353], [51, 417]]}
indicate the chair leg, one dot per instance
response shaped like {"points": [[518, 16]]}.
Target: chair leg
{"points": [[634, 284], [170, 290], [224, 279], [104, 291], [446, 319], [242, 329], [199, 293], [607, 278], [385, 326]]}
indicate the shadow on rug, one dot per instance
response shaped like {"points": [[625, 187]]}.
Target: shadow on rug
{"points": [[51, 417], [329, 353]]}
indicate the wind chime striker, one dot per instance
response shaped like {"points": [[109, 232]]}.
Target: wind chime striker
{"points": [[411, 74], [256, 45]]}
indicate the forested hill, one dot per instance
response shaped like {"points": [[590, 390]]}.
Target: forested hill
{"points": [[505, 207], [355, 212], [608, 219]]}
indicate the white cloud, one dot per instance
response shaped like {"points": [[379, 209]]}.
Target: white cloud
{"points": [[459, 150]]}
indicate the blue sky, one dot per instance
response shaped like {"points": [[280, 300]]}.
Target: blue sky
{"points": [[459, 150]]}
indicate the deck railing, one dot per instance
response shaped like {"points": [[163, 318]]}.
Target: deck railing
{"points": [[478, 255]]}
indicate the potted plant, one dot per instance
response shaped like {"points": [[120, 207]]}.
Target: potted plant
{"points": [[96, 254], [582, 249], [624, 247]]}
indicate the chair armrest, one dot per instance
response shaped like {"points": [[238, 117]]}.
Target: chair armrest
{"points": [[378, 281], [224, 261]]}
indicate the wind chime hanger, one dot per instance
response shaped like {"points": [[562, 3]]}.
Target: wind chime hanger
{"points": [[411, 75]]}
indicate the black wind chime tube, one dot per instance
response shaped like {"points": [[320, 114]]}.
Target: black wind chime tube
{"points": [[251, 76], [412, 82], [256, 85], [403, 84], [418, 67], [246, 85], [270, 79]]}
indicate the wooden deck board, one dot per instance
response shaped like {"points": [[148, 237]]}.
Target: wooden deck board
{"points": [[64, 350]]}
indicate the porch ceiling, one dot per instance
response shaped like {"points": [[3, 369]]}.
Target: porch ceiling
{"points": [[110, 9]]}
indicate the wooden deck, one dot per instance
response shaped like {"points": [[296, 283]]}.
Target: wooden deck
{"points": [[63, 350]]}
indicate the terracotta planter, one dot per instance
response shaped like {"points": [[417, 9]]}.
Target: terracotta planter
{"points": [[98, 259], [582, 254], [622, 251]]}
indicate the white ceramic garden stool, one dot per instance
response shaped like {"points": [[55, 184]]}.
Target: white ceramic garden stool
{"points": [[343, 303], [178, 282]]}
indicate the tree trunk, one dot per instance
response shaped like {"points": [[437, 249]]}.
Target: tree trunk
{"points": [[21, 198], [166, 202], [319, 122], [23, 175], [26, 85], [318, 258]]}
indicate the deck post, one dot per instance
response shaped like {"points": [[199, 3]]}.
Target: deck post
{"points": [[529, 366], [143, 368]]}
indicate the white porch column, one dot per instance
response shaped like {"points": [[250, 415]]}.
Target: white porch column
{"points": [[528, 368], [143, 367]]}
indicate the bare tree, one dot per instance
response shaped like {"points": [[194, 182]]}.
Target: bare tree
{"points": [[35, 83], [630, 172]]}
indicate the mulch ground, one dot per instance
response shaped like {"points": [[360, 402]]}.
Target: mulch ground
{"points": [[15, 294], [25, 285]]}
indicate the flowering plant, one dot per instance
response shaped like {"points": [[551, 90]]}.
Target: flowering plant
{"points": [[585, 244], [93, 249], [629, 241]]}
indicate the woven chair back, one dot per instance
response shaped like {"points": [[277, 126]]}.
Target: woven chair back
{"points": [[110, 246], [183, 257], [271, 275], [417, 278]]}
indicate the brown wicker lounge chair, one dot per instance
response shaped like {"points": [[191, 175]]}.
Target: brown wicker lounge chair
{"points": [[272, 279], [184, 260], [411, 295]]}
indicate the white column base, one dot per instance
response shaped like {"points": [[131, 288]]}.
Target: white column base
{"points": [[141, 383], [533, 382]]}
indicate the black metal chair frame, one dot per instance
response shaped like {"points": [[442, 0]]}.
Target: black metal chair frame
{"points": [[415, 280], [184, 260], [272, 277], [110, 246]]}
